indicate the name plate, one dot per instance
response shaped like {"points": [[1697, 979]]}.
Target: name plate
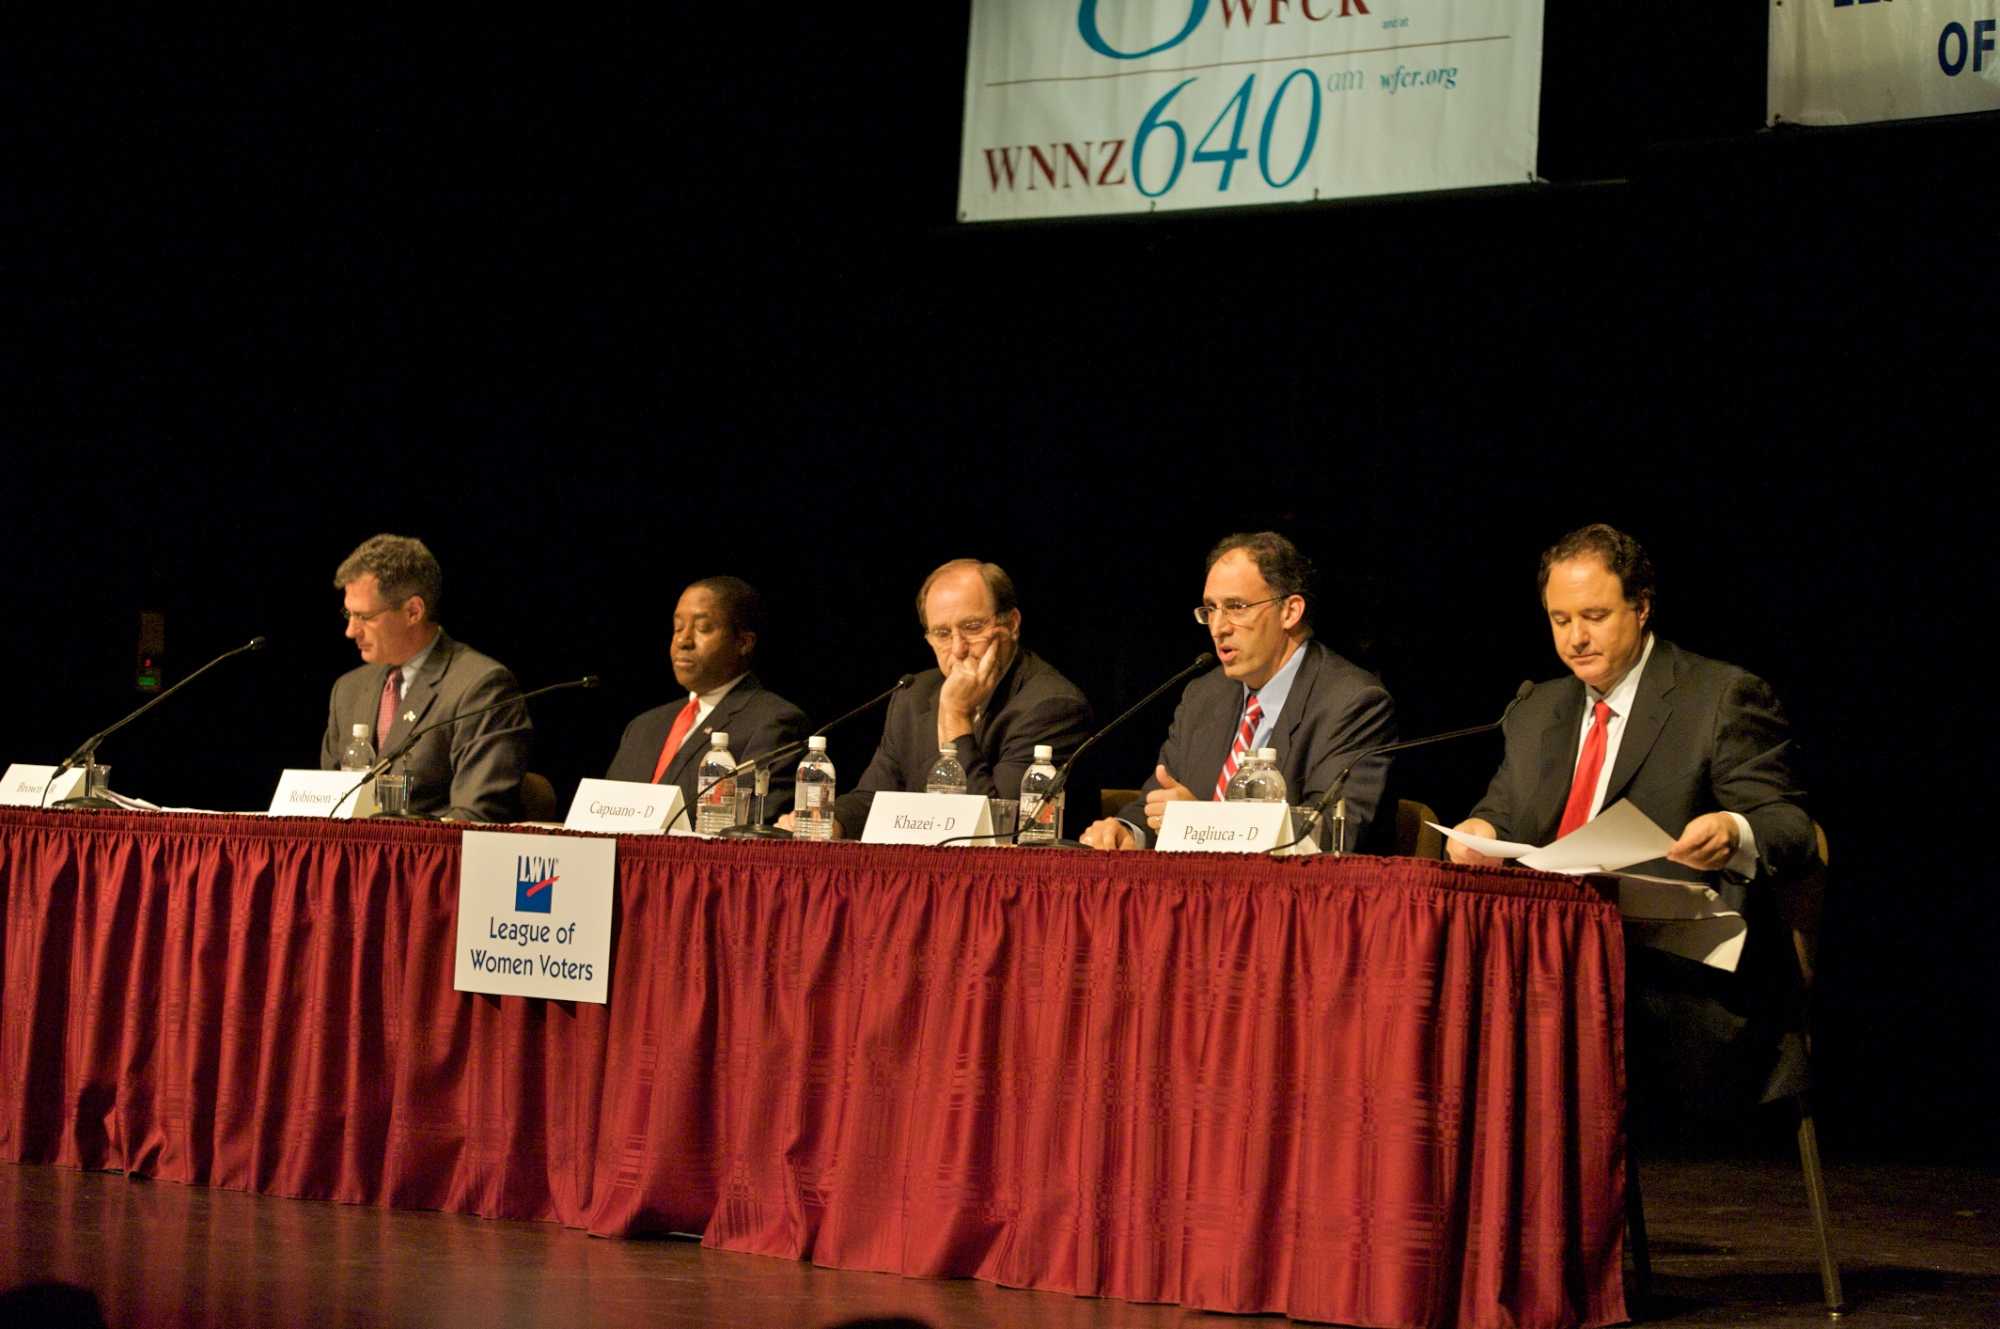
{"points": [[626, 807], [1242, 827], [534, 915], [897, 818], [22, 786], [315, 794]]}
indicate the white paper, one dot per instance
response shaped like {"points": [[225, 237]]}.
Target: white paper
{"points": [[1617, 837], [1685, 918], [1482, 845]]}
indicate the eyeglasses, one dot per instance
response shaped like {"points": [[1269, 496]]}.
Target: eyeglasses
{"points": [[348, 616], [1235, 612], [972, 629]]}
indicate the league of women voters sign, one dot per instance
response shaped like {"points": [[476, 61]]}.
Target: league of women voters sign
{"points": [[534, 915], [1076, 107], [1842, 62]]}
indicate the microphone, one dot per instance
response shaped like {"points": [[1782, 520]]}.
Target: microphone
{"points": [[1203, 661], [1340, 781], [762, 765], [402, 749], [86, 752]]}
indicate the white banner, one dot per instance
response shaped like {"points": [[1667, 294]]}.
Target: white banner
{"points": [[1842, 62], [1100, 106]]}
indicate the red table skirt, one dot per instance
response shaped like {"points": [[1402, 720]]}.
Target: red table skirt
{"points": [[1371, 1091]]}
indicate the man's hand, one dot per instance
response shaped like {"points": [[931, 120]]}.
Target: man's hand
{"points": [[789, 822], [1708, 843], [1170, 789], [969, 685], [1110, 833], [1471, 826]]}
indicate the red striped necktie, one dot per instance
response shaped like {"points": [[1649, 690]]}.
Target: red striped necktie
{"points": [[1252, 713]]}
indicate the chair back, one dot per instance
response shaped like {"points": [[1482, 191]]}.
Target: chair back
{"points": [[1110, 802], [1415, 839], [538, 798]]}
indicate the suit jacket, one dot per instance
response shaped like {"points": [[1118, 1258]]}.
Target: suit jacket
{"points": [[1703, 737], [1033, 704], [756, 719], [1335, 710], [471, 771]]}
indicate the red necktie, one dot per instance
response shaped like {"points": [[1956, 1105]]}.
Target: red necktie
{"points": [[677, 736], [385, 714], [1251, 715], [1583, 789]]}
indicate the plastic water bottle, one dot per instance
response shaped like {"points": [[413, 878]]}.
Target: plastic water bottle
{"points": [[1258, 780], [947, 776], [717, 811], [1041, 817], [360, 754], [812, 803]]}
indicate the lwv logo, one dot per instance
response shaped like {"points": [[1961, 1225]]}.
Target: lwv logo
{"points": [[534, 884]]}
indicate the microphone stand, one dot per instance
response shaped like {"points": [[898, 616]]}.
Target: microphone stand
{"points": [[410, 740], [755, 829], [1338, 799], [1201, 662], [86, 754]]}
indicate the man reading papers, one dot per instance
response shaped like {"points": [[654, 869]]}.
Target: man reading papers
{"points": [[1703, 749]]}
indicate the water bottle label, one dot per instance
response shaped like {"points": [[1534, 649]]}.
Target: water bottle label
{"points": [[814, 797]]}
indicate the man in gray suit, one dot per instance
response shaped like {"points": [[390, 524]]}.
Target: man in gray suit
{"points": [[1276, 686], [413, 674]]}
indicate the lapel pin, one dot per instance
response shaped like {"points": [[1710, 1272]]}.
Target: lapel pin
{"points": [[409, 717]]}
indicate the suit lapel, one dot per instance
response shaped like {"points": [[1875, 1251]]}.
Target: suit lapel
{"points": [[1651, 709], [1217, 735], [1562, 738], [1298, 705], [422, 692]]}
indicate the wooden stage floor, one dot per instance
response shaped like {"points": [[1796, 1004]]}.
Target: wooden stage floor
{"points": [[1731, 1245]]}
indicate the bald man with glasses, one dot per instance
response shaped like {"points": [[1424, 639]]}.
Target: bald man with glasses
{"points": [[990, 699], [1274, 686]]}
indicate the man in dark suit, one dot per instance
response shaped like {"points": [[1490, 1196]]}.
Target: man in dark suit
{"points": [[1703, 749], [1275, 686], [717, 625], [414, 674], [990, 700]]}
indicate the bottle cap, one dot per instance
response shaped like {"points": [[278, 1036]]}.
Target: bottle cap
{"points": [[947, 749], [1044, 752], [1267, 754], [817, 743], [718, 739], [362, 731]]}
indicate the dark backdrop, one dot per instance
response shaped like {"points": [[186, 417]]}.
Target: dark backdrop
{"points": [[597, 311]]}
